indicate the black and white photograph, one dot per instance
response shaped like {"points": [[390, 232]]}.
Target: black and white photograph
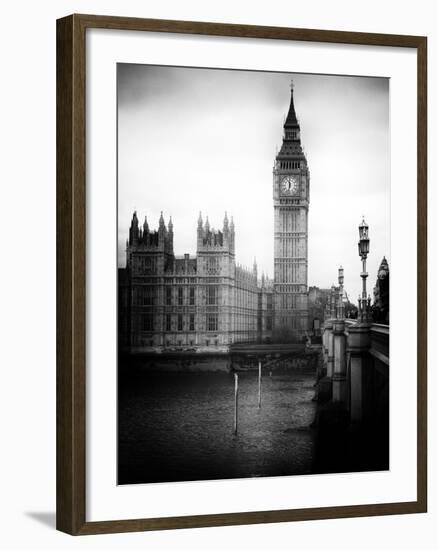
{"points": [[218, 302], [253, 253]]}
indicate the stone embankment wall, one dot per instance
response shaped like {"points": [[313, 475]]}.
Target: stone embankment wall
{"points": [[304, 361], [308, 360]]}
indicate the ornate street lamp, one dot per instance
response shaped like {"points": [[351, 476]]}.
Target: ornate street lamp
{"points": [[333, 302], [364, 248], [341, 292]]}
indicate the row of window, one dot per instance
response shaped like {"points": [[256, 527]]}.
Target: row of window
{"points": [[180, 280], [289, 247], [289, 201], [180, 296], [144, 264], [212, 265], [290, 164], [288, 289], [289, 272], [188, 324], [146, 296], [289, 221], [179, 343], [212, 322], [291, 134], [212, 296]]}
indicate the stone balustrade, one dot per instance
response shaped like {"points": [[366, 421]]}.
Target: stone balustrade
{"points": [[355, 359]]}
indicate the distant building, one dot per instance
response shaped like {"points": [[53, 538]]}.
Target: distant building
{"points": [[380, 309], [317, 294], [317, 299], [202, 303]]}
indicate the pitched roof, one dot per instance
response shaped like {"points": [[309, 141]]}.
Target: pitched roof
{"points": [[291, 119]]}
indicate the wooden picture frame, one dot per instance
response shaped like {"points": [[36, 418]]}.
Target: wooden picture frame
{"points": [[71, 273]]}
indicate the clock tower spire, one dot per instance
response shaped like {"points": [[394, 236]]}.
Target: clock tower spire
{"points": [[291, 179]]}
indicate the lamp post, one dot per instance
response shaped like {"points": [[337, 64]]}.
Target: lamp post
{"points": [[364, 248], [333, 302], [359, 342], [341, 292], [339, 378]]}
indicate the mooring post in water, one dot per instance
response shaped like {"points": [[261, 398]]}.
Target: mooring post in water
{"points": [[236, 396], [260, 384]]}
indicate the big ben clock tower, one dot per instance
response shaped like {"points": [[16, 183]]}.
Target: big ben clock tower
{"points": [[291, 206]]}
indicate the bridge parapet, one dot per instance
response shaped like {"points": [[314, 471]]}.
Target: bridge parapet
{"points": [[356, 361], [379, 347]]}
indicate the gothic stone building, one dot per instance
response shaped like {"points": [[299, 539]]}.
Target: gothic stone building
{"points": [[208, 302], [291, 206], [380, 309], [203, 303]]}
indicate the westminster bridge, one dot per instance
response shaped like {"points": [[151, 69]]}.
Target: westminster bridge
{"points": [[355, 369], [351, 365]]}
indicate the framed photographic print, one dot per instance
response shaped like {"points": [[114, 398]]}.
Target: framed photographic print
{"points": [[241, 226]]}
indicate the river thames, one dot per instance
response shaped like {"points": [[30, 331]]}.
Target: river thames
{"points": [[179, 426]]}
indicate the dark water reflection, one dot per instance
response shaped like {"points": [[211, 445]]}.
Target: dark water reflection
{"points": [[179, 426]]}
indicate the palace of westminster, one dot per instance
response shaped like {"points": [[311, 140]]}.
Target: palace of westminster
{"points": [[208, 302]]}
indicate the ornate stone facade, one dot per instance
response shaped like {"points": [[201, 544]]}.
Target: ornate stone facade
{"points": [[208, 302], [182, 303], [291, 206]]}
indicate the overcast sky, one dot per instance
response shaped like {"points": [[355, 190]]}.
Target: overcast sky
{"points": [[193, 140]]}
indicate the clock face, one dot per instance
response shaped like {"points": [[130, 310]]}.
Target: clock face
{"points": [[289, 185]]}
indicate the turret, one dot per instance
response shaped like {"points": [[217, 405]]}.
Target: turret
{"points": [[226, 232], [213, 239], [200, 231], [226, 226], [161, 230], [232, 236], [383, 269], [170, 235], [161, 224], [133, 230]]}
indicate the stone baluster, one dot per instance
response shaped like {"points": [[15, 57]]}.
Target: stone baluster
{"points": [[324, 378], [325, 346], [339, 378], [358, 344], [330, 357]]}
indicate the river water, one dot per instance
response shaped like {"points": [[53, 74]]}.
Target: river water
{"points": [[179, 426]]}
